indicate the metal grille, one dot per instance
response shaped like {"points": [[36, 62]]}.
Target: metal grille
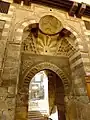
{"points": [[4, 6]]}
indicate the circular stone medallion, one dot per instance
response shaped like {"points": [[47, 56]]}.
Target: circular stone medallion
{"points": [[50, 25]]}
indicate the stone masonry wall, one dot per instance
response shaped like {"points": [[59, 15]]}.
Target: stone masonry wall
{"points": [[17, 19]]}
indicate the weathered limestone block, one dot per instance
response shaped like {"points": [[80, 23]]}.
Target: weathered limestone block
{"points": [[13, 51], [77, 109], [83, 99], [7, 105], [11, 113], [2, 48], [22, 100], [21, 113], [11, 64], [10, 102], [83, 111], [11, 90], [79, 87], [72, 111], [79, 91], [76, 25], [21, 106], [7, 115], [3, 92], [86, 112], [78, 81], [9, 73], [12, 56]]}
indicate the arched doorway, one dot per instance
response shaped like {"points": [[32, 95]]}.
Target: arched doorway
{"points": [[46, 97], [54, 50], [44, 47], [60, 80]]}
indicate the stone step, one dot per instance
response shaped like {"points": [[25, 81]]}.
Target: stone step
{"points": [[36, 115]]}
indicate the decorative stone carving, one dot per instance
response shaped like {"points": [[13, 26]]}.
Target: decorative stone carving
{"points": [[28, 44], [26, 63], [50, 25], [47, 44]]}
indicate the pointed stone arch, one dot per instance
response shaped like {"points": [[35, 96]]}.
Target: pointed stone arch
{"points": [[46, 65]]}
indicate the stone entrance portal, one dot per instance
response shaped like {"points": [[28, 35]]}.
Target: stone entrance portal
{"points": [[48, 45], [45, 42], [61, 87]]}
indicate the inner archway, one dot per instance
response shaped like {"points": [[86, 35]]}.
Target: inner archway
{"points": [[46, 96]]}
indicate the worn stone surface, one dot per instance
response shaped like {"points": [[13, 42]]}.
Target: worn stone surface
{"points": [[7, 104], [24, 51]]}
